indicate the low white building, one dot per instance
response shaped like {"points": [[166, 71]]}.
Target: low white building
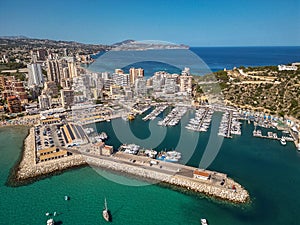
{"points": [[285, 67]]}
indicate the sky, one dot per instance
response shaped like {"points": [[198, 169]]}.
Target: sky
{"points": [[191, 22]]}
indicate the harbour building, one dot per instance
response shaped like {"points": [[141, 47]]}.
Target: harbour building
{"points": [[51, 153], [74, 134]]}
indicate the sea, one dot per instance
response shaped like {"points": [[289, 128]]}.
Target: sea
{"points": [[268, 170]]}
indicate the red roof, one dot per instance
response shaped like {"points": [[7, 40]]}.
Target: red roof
{"points": [[201, 173]]}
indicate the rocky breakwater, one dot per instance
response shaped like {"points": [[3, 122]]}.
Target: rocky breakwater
{"points": [[173, 174], [237, 194], [27, 170]]}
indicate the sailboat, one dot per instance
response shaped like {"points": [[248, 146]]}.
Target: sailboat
{"points": [[105, 212]]}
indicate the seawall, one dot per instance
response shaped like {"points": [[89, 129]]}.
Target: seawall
{"points": [[28, 171], [238, 195]]}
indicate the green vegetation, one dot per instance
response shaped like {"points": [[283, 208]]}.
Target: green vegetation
{"points": [[279, 96], [18, 75], [264, 87], [11, 66]]}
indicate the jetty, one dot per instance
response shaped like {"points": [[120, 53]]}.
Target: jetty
{"points": [[210, 183], [158, 110], [202, 120], [230, 124], [270, 135], [173, 118]]}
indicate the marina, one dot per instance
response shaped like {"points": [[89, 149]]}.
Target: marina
{"points": [[202, 120], [230, 124], [272, 135], [158, 110], [173, 118]]}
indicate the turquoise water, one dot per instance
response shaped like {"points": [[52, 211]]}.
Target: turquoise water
{"points": [[268, 170]]}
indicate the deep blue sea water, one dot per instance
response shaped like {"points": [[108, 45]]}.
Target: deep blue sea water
{"points": [[268, 170], [215, 58]]}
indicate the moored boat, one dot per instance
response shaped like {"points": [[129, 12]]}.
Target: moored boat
{"points": [[169, 156], [283, 141], [131, 116]]}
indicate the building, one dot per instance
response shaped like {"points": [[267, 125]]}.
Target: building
{"points": [[67, 98], [14, 104], [44, 101], [35, 76], [134, 74], [102, 149], [121, 79], [51, 154], [47, 120], [170, 85], [2, 82], [185, 83], [82, 87], [158, 80], [72, 68], [201, 174], [74, 134], [12, 87], [186, 71], [140, 87], [290, 68], [41, 54], [53, 71], [51, 88]]}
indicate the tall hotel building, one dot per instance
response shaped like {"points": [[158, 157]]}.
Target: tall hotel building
{"points": [[53, 71], [135, 73], [35, 76]]}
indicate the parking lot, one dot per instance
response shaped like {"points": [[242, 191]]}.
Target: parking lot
{"points": [[48, 136]]}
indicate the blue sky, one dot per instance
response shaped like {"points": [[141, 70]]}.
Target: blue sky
{"points": [[192, 22]]}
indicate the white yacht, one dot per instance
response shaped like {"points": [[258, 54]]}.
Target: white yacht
{"points": [[204, 222], [50, 222], [283, 141]]}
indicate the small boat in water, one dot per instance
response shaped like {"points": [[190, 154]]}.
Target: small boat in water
{"points": [[203, 222], [50, 222], [130, 116], [283, 141], [105, 212], [66, 198]]}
